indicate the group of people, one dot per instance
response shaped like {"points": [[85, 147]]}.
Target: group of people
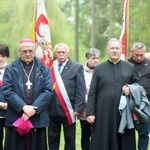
{"points": [[30, 100]]}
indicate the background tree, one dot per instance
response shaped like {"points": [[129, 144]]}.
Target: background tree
{"points": [[76, 30], [16, 19], [92, 39]]}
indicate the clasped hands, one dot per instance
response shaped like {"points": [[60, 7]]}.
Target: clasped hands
{"points": [[28, 111], [3, 105]]}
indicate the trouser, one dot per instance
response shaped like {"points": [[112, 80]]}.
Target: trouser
{"points": [[85, 134], [55, 130], [143, 134], [2, 124]]}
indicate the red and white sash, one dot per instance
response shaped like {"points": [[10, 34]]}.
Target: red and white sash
{"points": [[63, 95]]}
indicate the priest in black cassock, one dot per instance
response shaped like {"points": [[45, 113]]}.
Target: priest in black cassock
{"points": [[27, 88], [108, 82]]}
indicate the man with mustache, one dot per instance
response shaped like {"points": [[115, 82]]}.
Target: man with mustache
{"points": [[72, 77]]}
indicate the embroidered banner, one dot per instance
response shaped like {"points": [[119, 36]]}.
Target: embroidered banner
{"points": [[123, 35], [40, 33]]}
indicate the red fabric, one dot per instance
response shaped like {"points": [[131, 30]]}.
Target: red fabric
{"points": [[44, 51], [0, 83]]}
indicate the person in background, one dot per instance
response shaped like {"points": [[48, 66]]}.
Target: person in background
{"points": [[142, 66], [92, 60], [4, 55], [27, 88], [108, 83], [71, 96]]}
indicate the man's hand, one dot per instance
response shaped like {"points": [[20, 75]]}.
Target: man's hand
{"points": [[29, 110], [25, 117], [3, 105], [126, 90], [90, 119], [77, 113]]}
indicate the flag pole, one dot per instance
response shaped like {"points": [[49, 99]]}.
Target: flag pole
{"points": [[33, 26], [127, 31]]}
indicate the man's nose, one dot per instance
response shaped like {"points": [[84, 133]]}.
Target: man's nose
{"points": [[139, 57]]}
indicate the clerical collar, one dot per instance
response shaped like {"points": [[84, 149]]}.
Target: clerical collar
{"points": [[114, 62], [25, 64]]}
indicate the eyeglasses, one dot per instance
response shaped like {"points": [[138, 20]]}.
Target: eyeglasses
{"points": [[27, 51]]}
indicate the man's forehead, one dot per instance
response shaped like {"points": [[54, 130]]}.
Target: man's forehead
{"points": [[61, 49], [138, 51], [27, 47], [114, 44]]}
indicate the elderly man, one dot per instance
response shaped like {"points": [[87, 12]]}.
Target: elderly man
{"points": [[67, 102], [27, 88], [108, 83]]}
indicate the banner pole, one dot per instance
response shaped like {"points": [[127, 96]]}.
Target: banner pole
{"points": [[127, 31]]}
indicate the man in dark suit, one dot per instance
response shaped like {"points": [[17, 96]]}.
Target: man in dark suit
{"points": [[68, 100]]}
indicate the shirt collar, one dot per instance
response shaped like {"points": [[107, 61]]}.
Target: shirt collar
{"points": [[64, 63], [115, 61]]}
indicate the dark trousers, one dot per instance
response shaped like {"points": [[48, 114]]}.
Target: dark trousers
{"points": [[143, 133], [85, 134], [2, 124], [55, 130]]}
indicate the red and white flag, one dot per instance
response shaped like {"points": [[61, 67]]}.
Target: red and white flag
{"points": [[40, 33], [123, 36]]}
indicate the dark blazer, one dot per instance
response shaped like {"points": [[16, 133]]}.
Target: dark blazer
{"points": [[14, 93], [73, 79]]}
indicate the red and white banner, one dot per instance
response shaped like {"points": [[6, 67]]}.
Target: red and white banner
{"points": [[123, 36], [40, 32]]}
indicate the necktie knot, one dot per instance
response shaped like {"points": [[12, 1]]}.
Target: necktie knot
{"points": [[59, 67]]}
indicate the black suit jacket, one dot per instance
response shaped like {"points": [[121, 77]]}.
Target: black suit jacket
{"points": [[74, 82]]}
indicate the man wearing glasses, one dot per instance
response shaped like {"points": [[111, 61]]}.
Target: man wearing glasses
{"points": [[27, 88]]}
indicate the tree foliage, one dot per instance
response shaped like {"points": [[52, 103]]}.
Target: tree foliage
{"points": [[139, 21], [16, 18]]}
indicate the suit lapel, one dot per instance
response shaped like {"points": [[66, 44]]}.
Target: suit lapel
{"points": [[66, 67]]}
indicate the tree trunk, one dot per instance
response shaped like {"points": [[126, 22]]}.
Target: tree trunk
{"points": [[76, 29], [92, 40], [111, 32]]}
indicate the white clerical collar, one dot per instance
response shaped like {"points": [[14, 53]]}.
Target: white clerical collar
{"points": [[114, 62]]}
